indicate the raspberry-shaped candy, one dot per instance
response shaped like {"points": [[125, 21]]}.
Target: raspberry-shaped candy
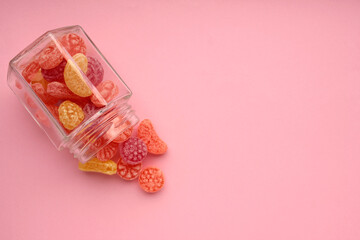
{"points": [[73, 76], [151, 179], [50, 57], [147, 133], [30, 70], [56, 73], [127, 171], [108, 91], [133, 151], [95, 72], [73, 43], [108, 152], [70, 115]]}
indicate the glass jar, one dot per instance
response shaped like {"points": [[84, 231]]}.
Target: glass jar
{"points": [[62, 67]]}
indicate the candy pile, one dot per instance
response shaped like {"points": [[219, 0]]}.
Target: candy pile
{"points": [[70, 82], [129, 153]]}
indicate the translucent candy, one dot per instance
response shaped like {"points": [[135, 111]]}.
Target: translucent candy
{"points": [[108, 91], [73, 44], [50, 57], [125, 135], [70, 114], [95, 72], [151, 179], [89, 110], [127, 171], [133, 151], [61, 91], [42, 94], [56, 73], [73, 78], [95, 165], [38, 78], [107, 152], [146, 132], [30, 70]]}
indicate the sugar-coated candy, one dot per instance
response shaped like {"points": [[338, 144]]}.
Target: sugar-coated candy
{"points": [[50, 57], [40, 91], [127, 171], [70, 114], [95, 72], [89, 109], [30, 70], [38, 78], [125, 135], [73, 44], [95, 165], [56, 73], [61, 91], [73, 77], [108, 90], [147, 133], [151, 179], [133, 151], [107, 152]]}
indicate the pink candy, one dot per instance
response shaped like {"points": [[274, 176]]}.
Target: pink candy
{"points": [[133, 151], [56, 73], [95, 72]]}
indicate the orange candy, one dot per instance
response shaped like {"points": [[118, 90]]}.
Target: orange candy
{"points": [[151, 179], [95, 165], [127, 171], [70, 114], [107, 152], [73, 77], [146, 132]]}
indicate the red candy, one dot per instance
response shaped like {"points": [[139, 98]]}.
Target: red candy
{"points": [[42, 94], [133, 151], [50, 57], [146, 132], [151, 179], [108, 91], [73, 44], [107, 152], [89, 110], [54, 110], [61, 91], [127, 171], [56, 73], [95, 72], [30, 70]]}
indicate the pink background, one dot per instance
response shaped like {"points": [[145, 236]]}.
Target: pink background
{"points": [[259, 102]]}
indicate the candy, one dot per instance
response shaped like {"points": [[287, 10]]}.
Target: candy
{"points": [[50, 57], [61, 91], [95, 165], [30, 70], [42, 94], [125, 135], [108, 91], [89, 109], [73, 44], [38, 78], [133, 151], [70, 114], [73, 77], [127, 171], [146, 132], [151, 179], [56, 73], [107, 152], [54, 110], [95, 71]]}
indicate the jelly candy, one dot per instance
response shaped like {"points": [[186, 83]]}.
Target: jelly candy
{"points": [[50, 57], [125, 135], [56, 73], [146, 132], [95, 165], [42, 94], [73, 44], [107, 152], [30, 70], [70, 114], [133, 151], [60, 90], [108, 91], [89, 109], [95, 71], [151, 179], [73, 77], [127, 171]]}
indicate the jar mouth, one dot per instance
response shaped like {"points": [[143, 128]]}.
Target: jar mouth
{"points": [[89, 138]]}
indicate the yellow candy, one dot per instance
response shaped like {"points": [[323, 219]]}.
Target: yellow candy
{"points": [[38, 78], [70, 114], [95, 165], [73, 78]]}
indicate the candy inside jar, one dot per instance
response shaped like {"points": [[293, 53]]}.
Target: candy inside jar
{"points": [[72, 92]]}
